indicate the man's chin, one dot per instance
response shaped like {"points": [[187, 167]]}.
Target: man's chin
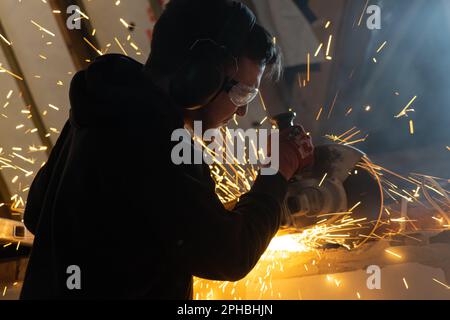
{"points": [[225, 123], [219, 125]]}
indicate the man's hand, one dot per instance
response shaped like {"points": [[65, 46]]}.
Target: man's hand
{"points": [[296, 151]]}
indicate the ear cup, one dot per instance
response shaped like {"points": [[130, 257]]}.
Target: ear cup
{"points": [[201, 76]]}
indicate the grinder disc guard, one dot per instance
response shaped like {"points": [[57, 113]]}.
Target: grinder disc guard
{"points": [[331, 188]]}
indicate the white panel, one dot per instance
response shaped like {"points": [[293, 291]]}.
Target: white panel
{"points": [[29, 42], [105, 16], [419, 284]]}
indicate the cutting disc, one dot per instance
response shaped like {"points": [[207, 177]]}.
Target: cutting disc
{"points": [[333, 187]]}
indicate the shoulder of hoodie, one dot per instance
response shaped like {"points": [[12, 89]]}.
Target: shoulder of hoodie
{"points": [[130, 102]]}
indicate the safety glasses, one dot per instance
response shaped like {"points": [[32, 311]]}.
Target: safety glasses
{"points": [[239, 93]]}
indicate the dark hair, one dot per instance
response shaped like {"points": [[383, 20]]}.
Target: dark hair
{"points": [[185, 21]]}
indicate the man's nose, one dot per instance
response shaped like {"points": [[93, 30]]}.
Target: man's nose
{"points": [[242, 111]]}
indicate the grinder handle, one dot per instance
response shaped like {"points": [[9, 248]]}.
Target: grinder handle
{"points": [[284, 120]]}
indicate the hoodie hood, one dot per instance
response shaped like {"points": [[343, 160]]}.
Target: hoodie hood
{"points": [[113, 88]]}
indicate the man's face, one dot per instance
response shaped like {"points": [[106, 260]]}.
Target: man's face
{"points": [[221, 110]]}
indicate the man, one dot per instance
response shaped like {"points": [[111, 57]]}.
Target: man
{"points": [[113, 217]]}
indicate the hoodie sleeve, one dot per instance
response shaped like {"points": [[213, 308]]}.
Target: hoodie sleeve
{"points": [[183, 214], [39, 187], [225, 245]]}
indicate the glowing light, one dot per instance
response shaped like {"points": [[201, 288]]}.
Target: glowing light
{"points": [[333, 104], [362, 13], [42, 28], [441, 283], [262, 121], [92, 46], [393, 254], [308, 58], [405, 283], [354, 207], [404, 112], [126, 25], [320, 112], [5, 40], [323, 179], [120, 46], [318, 50], [11, 73], [329, 45], [82, 14], [381, 47]]}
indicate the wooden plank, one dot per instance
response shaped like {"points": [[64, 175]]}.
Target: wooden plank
{"points": [[26, 92], [79, 50]]}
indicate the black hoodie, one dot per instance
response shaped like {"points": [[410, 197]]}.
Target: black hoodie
{"points": [[110, 200]]}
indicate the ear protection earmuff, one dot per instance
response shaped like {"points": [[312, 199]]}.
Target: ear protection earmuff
{"points": [[203, 74]]}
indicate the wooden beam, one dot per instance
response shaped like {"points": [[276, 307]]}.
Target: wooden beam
{"points": [[80, 51], [14, 65], [5, 197]]}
